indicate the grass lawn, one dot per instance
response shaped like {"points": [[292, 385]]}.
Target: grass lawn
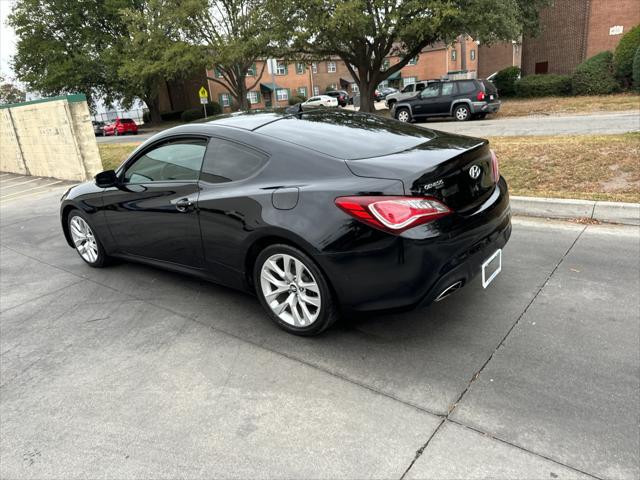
{"points": [[592, 167], [518, 107]]}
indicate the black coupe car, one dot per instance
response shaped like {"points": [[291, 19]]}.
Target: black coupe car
{"points": [[391, 216]]}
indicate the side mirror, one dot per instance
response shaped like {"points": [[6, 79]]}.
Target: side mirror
{"points": [[106, 179]]}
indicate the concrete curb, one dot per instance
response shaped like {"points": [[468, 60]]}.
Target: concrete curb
{"points": [[609, 212]]}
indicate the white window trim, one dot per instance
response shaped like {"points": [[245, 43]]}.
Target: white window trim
{"points": [[226, 99], [316, 91], [314, 67], [332, 67], [284, 69], [286, 94], [252, 97], [408, 81]]}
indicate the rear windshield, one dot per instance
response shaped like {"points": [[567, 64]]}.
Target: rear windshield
{"points": [[126, 120], [350, 136], [488, 86]]}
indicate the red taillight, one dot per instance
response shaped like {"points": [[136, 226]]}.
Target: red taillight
{"points": [[495, 168], [480, 96], [394, 214]]}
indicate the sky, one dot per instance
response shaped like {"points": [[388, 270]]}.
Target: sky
{"points": [[7, 39]]}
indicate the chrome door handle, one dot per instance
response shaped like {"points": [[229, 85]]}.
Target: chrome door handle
{"points": [[183, 204]]}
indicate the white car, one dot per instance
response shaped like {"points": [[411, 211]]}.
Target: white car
{"points": [[320, 101]]}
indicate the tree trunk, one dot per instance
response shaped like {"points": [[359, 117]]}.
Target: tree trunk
{"points": [[153, 104], [367, 91], [243, 103]]}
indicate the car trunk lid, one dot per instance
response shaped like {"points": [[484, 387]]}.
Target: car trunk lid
{"points": [[452, 168]]}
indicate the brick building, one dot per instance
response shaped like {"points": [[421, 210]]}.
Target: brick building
{"points": [[492, 58], [574, 30], [307, 79]]}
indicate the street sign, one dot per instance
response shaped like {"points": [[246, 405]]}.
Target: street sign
{"points": [[204, 99]]}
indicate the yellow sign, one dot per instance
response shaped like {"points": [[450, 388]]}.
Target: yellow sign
{"points": [[203, 92]]}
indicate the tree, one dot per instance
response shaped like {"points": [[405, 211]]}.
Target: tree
{"points": [[114, 50], [153, 53], [60, 45], [234, 35], [9, 93], [363, 32]]}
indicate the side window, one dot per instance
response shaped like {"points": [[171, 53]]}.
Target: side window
{"points": [[466, 87], [227, 161], [420, 87], [174, 160], [432, 90], [408, 88], [448, 89]]}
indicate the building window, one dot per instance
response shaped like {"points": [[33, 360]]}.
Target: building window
{"points": [[413, 61], [218, 73], [253, 97], [225, 99], [385, 64], [408, 81], [454, 55], [281, 69], [331, 67], [473, 54], [282, 94], [316, 90], [355, 88], [314, 67], [299, 68], [302, 92], [252, 71]]}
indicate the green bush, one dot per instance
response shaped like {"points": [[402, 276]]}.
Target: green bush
{"points": [[213, 108], [623, 56], [295, 100], [595, 76], [171, 115], [636, 70], [505, 81], [545, 85]]}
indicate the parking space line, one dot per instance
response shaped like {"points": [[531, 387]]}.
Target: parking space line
{"points": [[23, 183], [4, 175], [7, 180], [29, 189]]}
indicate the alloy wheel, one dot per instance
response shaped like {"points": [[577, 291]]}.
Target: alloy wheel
{"points": [[403, 116], [290, 290], [462, 113], [83, 239]]}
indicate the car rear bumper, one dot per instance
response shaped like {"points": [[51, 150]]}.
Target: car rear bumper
{"points": [[484, 107], [410, 272]]}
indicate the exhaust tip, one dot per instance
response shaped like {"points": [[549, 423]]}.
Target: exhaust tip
{"points": [[449, 290]]}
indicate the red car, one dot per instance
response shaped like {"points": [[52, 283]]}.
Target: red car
{"points": [[121, 126]]}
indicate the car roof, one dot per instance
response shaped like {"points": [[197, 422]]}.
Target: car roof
{"points": [[361, 135]]}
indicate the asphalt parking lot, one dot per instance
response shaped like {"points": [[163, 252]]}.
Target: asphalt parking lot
{"points": [[130, 371]]}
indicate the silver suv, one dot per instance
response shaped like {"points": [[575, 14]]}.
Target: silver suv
{"points": [[408, 91]]}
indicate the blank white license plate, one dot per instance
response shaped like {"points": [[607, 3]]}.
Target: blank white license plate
{"points": [[491, 268]]}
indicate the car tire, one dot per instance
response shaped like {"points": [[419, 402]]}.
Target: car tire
{"points": [[293, 291], [482, 116], [461, 113], [85, 241], [403, 115]]}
